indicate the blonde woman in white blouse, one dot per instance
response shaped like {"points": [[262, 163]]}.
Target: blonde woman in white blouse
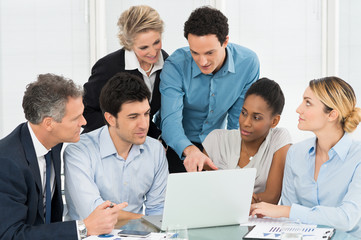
{"points": [[258, 143]]}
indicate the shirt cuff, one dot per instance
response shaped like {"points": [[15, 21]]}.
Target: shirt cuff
{"points": [[154, 211], [299, 212], [77, 229], [181, 145]]}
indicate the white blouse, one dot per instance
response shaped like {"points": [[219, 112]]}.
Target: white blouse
{"points": [[224, 147], [132, 63]]}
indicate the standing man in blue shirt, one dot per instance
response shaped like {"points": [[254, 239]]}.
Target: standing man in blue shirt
{"points": [[202, 88], [118, 161]]}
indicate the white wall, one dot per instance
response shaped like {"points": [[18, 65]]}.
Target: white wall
{"points": [[350, 48], [39, 36], [286, 35]]}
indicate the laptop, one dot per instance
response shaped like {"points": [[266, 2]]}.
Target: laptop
{"points": [[206, 199]]}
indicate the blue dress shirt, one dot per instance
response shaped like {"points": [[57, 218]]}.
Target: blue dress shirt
{"points": [[194, 104], [335, 198], [94, 172]]}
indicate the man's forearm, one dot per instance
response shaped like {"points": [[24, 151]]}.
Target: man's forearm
{"points": [[124, 215]]}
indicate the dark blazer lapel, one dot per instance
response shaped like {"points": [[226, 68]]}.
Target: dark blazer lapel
{"points": [[30, 155], [135, 72], [155, 104]]}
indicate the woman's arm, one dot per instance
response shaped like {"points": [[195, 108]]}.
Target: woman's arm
{"points": [[273, 189], [270, 210]]}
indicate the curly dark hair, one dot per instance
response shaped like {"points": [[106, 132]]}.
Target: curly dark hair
{"points": [[271, 92], [206, 20], [122, 88]]}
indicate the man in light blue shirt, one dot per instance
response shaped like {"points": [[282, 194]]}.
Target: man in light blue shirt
{"points": [[118, 162], [202, 88]]}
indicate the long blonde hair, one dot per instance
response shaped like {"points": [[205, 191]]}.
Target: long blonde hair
{"points": [[336, 94], [137, 19]]}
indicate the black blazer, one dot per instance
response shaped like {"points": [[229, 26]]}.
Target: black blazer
{"points": [[21, 201], [102, 71]]}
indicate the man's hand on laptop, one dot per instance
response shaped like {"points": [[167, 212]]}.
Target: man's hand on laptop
{"points": [[195, 160]]}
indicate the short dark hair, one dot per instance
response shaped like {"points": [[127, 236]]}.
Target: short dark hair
{"points": [[47, 97], [122, 88], [206, 20], [271, 92]]}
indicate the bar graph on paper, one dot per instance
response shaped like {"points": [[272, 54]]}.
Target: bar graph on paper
{"points": [[274, 232], [272, 229], [277, 229]]}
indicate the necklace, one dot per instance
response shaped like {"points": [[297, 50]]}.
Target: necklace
{"points": [[245, 148], [150, 68]]}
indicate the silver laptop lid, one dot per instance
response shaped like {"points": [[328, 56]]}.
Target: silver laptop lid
{"points": [[209, 198]]}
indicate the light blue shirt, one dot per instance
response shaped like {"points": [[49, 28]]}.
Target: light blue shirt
{"points": [[194, 104], [335, 198], [94, 172]]}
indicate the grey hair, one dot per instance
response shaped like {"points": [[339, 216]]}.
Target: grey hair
{"points": [[47, 97]]}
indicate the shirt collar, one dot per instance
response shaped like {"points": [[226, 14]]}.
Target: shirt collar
{"points": [[107, 147], [132, 63], [40, 150], [341, 148], [312, 149], [227, 67]]}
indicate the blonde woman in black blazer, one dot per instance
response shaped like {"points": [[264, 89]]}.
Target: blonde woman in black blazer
{"points": [[140, 30]]}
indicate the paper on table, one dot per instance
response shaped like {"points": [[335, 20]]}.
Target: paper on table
{"points": [[274, 232], [270, 228], [252, 221], [153, 236]]}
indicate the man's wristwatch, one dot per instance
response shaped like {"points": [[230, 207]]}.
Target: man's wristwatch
{"points": [[83, 232]]}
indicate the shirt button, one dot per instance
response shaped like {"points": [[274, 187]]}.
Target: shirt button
{"points": [[211, 111], [125, 183], [206, 122], [212, 94]]}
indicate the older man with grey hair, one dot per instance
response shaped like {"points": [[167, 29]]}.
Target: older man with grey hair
{"points": [[31, 204]]}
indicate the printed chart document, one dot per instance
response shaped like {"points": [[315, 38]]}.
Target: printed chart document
{"points": [[271, 228]]}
